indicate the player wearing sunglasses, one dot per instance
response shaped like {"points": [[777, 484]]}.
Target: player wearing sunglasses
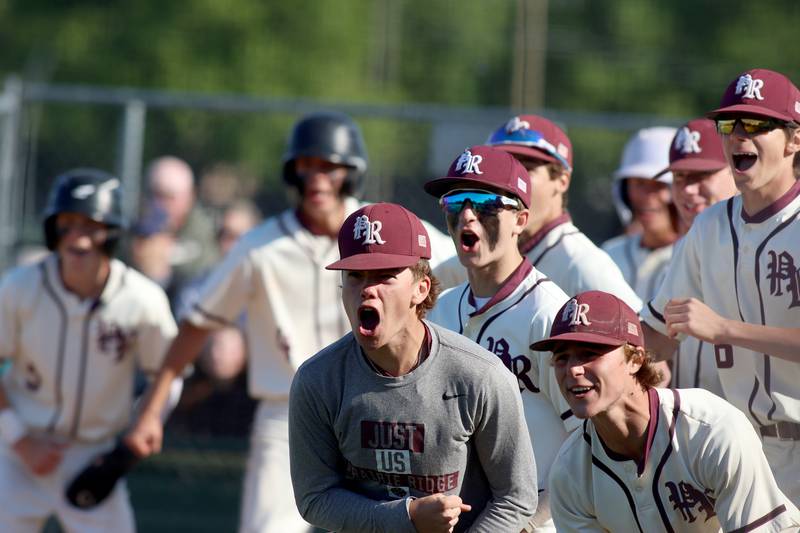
{"points": [[507, 304], [734, 280], [550, 240]]}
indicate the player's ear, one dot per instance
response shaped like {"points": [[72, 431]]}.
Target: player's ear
{"points": [[422, 287], [793, 140], [635, 357], [521, 220]]}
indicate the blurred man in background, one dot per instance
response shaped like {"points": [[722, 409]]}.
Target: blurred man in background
{"points": [[276, 275], [642, 256], [701, 177], [171, 187]]}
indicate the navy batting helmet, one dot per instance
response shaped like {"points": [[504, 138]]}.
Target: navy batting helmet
{"points": [[330, 136], [90, 192]]}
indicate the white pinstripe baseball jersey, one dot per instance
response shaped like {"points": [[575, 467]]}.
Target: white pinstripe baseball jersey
{"points": [[694, 367], [520, 314], [565, 255], [744, 268], [276, 273], [641, 267], [703, 470], [73, 361]]}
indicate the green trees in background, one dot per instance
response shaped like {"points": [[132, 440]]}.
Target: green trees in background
{"points": [[670, 58]]}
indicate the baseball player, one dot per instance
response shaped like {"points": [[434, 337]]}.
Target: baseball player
{"points": [[550, 241], [649, 459], [75, 327], [275, 274], [402, 425], [507, 304], [733, 281], [701, 177], [642, 256]]}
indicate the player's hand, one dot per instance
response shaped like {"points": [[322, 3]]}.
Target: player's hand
{"points": [[146, 435], [693, 317], [41, 454], [437, 513]]}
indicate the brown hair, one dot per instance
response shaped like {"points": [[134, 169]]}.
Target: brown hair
{"points": [[556, 170], [421, 269], [648, 375]]}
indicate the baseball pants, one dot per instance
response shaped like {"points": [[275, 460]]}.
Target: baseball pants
{"points": [[28, 500], [268, 504], [783, 457]]}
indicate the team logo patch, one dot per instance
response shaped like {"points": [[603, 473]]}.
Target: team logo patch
{"points": [[690, 501], [422, 241], [562, 150], [369, 231], [468, 163], [516, 124], [575, 314], [749, 87], [114, 340], [687, 141], [784, 276], [521, 185], [632, 329], [797, 107]]}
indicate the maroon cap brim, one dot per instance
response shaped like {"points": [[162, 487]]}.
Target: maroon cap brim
{"points": [[693, 164], [526, 151], [750, 110], [547, 345], [374, 261]]}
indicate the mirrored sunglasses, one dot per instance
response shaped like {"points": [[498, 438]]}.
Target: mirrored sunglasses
{"points": [[483, 202], [526, 137], [751, 126]]}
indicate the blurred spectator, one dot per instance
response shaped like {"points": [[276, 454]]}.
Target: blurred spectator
{"points": [[171, 186], [152, 245], [215, 399]]}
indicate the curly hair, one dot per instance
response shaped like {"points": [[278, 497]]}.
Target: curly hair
{"points": [[648, 375], [421, 269]]}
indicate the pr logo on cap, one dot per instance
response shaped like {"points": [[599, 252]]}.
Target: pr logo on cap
{"points": [[687, 141], [516, 124], [575, 314], [370, 232], [750, 87], [468, 163]]}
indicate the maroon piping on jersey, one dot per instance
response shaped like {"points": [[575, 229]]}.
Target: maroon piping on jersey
{"points": [[652, 397], [783, 201], [610, 473], [767, 362], [758, 522], [508, 287], [657, 474], [316, 281], [775, 207], [542, 232], [62, 343]]}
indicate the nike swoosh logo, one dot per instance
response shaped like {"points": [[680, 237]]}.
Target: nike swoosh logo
{"points": [[446, 396]]}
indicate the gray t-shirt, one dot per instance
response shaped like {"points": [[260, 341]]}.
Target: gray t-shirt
{"points": [[361, 444]]}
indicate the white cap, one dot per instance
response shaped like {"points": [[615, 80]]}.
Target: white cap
{"points": [[646, 154]]}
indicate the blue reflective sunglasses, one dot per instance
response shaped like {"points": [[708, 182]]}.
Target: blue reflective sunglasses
{"points": [[526, 137], [482, 202]]}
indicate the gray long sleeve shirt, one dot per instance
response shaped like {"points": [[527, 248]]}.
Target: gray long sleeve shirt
{"points": [[361, 444]]}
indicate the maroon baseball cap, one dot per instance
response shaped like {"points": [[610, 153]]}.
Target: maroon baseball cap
{"points": [[482, 166], [761, 92], [594, 317], [379, 236], [696, 147], [535, 137]]}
